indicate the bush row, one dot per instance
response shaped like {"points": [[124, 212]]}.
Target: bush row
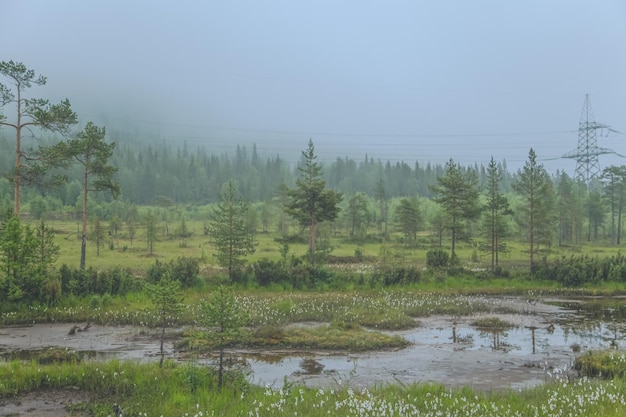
{"points": [[114, 281], [293, 274], [578, 270]]}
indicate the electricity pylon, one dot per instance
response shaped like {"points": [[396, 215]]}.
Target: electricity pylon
{"points": [[586, 155]]}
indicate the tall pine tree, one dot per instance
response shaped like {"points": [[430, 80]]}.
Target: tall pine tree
{"points": [[35, 112], [91, 151]]}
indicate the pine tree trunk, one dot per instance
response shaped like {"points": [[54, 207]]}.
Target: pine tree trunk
{"points": [[162, 340], [220, 371], [312, 243], [493, 241], [18, 155], [83, 246]]}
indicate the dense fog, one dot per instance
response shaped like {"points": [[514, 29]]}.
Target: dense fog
{"points": [[411, 81]]}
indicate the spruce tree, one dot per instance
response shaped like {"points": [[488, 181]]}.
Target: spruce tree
{"points": [[227, 319], [497, 208], [310, 203], [358, 214], [408, 219], [229, 231], [167, 298], [457, 192], [382, 200], [535, 187]]}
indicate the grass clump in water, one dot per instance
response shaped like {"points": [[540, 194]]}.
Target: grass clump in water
{"points": [[604, 364], [333, 338], [494, 323], [339, 336]]}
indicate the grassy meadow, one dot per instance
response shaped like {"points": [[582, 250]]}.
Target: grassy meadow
{"points": [[120, 251]]}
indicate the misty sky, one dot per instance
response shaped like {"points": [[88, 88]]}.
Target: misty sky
{"points": [[397, 80]]}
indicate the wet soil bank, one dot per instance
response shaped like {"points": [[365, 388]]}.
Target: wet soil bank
{"points": [[49, 403]]}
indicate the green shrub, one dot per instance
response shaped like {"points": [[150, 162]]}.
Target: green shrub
{"points": [[269, 333], [95, 302], [501, 272], [156, 272], [73, 281], [292, 274], [320, 277], [184, 270], [268, 272], [437, 258], [397, 276], [52, 290], [345, 323]]}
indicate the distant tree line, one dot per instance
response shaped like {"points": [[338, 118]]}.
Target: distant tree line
{"points": [[147, 173], [376, 193]]}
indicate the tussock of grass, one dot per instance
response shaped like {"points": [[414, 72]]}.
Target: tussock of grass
{"points": [[495, 323], [330, 338], [605, 364], [324, 337]]}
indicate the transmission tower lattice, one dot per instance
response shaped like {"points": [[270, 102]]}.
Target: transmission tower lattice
{"points": [[586, 155]]}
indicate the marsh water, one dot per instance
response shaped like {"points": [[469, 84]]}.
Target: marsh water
{"points": [[541, 344]]}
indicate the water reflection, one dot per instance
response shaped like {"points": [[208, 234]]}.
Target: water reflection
{"points": [[604, 309], [311, 366], [497, 338]]}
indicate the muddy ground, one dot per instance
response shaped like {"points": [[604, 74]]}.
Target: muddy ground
{"points": [[53, 403]]}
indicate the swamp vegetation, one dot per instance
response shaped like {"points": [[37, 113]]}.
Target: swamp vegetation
{"points": [[354, 318]]}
